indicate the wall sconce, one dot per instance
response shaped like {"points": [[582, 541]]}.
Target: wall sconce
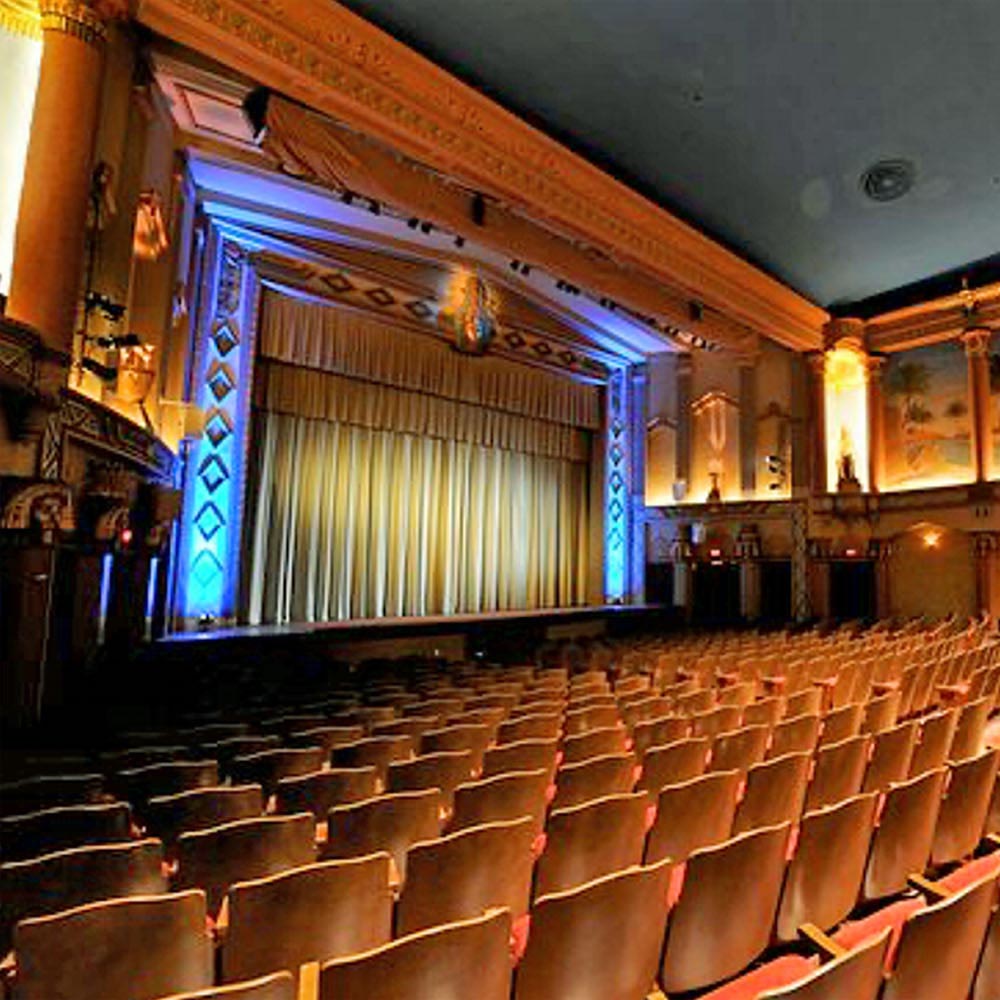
{"points": [[931, 538]]}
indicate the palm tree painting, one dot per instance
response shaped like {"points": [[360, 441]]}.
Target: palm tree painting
{"points": [[927, 417]]}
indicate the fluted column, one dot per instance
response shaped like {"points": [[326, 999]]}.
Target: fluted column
{"points": [[817, 410], [51, 230], [748, 426], [977, 343], [683, 454], [876, 423]]}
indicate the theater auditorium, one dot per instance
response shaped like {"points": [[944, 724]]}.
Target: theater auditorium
{"points": [[499, 500]]}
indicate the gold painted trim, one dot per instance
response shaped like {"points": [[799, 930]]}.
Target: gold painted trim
{"points": [[71, 17], [21, 17]]}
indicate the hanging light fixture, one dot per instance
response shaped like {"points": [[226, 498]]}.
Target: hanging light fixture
{"points": [[469, 313]]}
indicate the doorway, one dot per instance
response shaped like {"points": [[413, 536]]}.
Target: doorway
{"points": [[852, 589]]}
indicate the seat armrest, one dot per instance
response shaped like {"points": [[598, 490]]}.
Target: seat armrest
{"points": [[825, 944]]}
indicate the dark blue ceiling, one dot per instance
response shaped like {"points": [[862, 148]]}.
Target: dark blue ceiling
{"points": [[754, 119]]}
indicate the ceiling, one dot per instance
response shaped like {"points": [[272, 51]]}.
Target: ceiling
{"points": [[754, 119]]}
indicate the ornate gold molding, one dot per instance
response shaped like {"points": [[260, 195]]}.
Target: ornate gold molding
{"points": [[73, 17], [21, 17], [330, 59]]}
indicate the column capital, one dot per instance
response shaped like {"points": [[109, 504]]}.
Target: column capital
{"points": [[843, 328], [86, 20], [977, 341], [21, 17]]}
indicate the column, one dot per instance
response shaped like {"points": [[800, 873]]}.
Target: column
{"points": [[876, 428], [977, 343], [800, 438], [986, 546], [52, 219], [880, 550], [681, 556], [748, 550], [617, 494], [817, 411], [748, 426], [684, 378], [637, 556]]}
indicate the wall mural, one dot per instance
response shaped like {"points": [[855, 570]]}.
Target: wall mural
{"points": [[927, 419]]}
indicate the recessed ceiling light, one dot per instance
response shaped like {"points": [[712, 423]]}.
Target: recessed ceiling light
{"points": [[888, 180]]}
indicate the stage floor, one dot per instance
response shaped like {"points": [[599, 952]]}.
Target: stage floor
{"points": [[413, 624]]}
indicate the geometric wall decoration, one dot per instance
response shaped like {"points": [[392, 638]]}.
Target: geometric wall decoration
{"points": [[208, 564], [617, 491]]}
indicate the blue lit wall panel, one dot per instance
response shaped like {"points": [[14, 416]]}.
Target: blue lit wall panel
{"points": [[617, 499]]}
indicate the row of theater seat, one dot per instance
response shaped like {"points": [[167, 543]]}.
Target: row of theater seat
{"points": [[592, 704]]}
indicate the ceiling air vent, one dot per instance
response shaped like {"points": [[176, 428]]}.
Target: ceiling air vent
{"points": [[888, 180]]}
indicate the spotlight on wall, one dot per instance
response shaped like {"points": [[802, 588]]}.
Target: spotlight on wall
{"points": [[347, 197], [426, 228], [460, 241], [850, 553], [931, 538], [413, 223], [374, 207]]}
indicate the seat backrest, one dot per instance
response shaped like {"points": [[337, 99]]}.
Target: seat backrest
{"points": [[962, 817], [168, 816], [599, 941], [692, 815], [902, 841], [841, 724], [469, 958], [374, 751], [673, 763], [806, 702], [970, 730], [326, 737], [464, 874], [319, 791], [413, 726], [211, 732], [892, 752], [444, 770], [122, 760], [856, 975], [62, 827], [739, 749], [591, 779], [591, 840], [766, 712], [659, 732], [472, 737], [582, 720], [310, 914], [277, 986], [594, 743], [726, 909], [775, 791], [48, 790], [139, 785], [121, 949], [216, 858], [880, 713], [721, 719], [988, 974], [69, 878], [227, 750], [940, 945], [391, 823], [838, 771], [268, 767], [794, 734], [823, 881], [523, 755], [502, 797], [934, 742]]}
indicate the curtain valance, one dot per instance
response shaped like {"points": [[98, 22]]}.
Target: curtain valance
{"points": [[318, 395], [344, 343]]}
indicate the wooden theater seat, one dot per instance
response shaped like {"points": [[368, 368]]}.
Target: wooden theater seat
{"points": [[940, 945], [591, 840], [373, 751], [48, 790], [319, 791], [823, 881], [934, 742], [63, 827], [841, 724], [905, 831], [122, 949], [881, 713], [326, 737], [139, 785], [227, 750], [794, 734], [598, 941], [73, 877], [892, 751], [721, 719], [692, 815], [278, 986], [168, 816], [775, 792], [133, 757], [501, 798], [765, 712], [216, 858], [739, 749], [447, 879], [444, 770], [391, 823], [413, 726], [524, 755], [472, 737], [723, 918], [268, 767], [962, 817], [970, 731], [673, 763], [594, 743], [466, 959], [839, 770], [592, 779], [321, 911]]}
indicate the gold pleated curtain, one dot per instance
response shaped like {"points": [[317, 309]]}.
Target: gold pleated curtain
{"points": [[367, 500]]}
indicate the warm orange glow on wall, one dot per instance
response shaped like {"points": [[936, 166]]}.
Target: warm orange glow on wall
{"points": [[845, 385], [932, 538]]}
